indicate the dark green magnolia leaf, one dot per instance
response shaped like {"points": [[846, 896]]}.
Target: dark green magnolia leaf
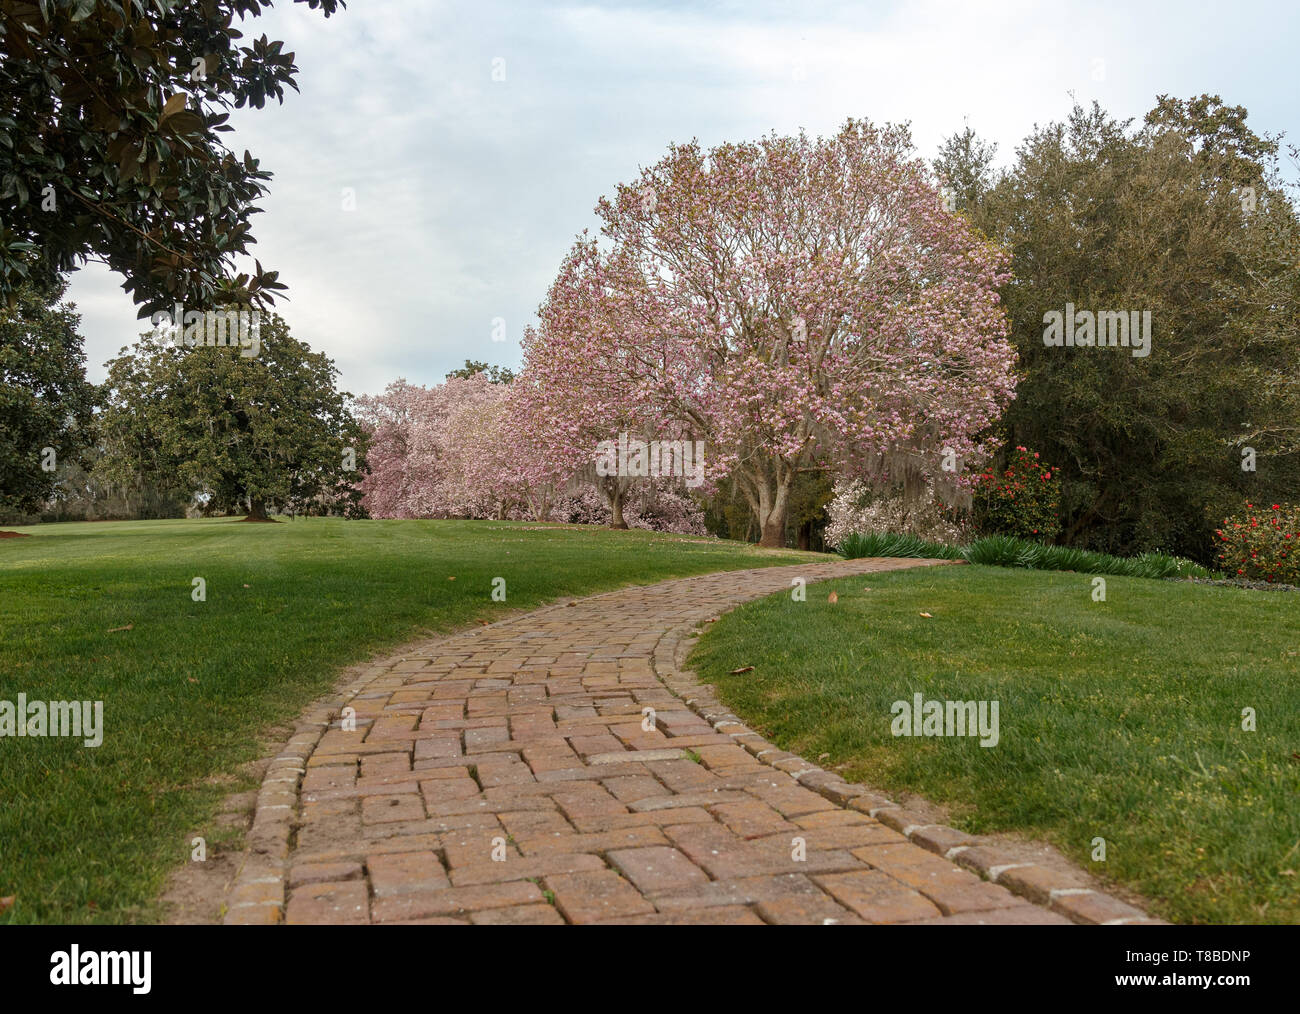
{"points": [[130, 163], [121, 68]]}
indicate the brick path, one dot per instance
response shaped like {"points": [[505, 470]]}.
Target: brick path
{"points": [[504, 775]]}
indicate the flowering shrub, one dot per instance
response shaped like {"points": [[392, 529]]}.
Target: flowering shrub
{"points": [[1262, 544], [1022, 500], [658, 507], [667, 509], [857, 508], [583, 506]]}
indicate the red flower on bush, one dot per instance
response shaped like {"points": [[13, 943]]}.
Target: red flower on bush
{"points": [[1260, 552], [1014, 504]]}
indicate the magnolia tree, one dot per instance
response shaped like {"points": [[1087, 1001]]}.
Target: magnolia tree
{"points": [[490, 466], [455, 449], [585, 394], [391, 419], [451, 440], [799, 303]]}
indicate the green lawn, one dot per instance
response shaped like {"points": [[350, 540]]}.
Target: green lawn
{"points": [[88, 835], [1119, 719]]}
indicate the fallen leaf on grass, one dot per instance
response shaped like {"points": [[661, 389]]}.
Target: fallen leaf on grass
{"points": [[129, 626], [832, 598], [1284, 873], [7, 902], [743, 668], [248, 586], [451, 579], [927, 616], [193, 680], [712, 619], [486, 623]]}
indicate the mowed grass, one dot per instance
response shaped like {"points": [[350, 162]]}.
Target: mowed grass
{"points": [[1119, 719], [88, 835]]}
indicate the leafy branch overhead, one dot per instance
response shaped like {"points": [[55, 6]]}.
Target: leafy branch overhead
{"points": [[110, 145]]}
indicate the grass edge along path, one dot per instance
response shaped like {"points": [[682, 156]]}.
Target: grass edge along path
{"points": [[1120, 720]]}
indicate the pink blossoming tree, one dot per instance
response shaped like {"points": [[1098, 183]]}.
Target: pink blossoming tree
{"points": [[395, 473], [799, 303], [583, 385], [457, 449]]}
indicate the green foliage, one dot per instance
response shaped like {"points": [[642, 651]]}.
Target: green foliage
{"points": [[1160, 218], [1262, 544], [1027, 554], [110, 144], [805, 517], [256, 431], [45, 401], [965, 166], [495, 374], [84, 493], [859, 545], [1022, 499], [727, 513], [1008, 551]]}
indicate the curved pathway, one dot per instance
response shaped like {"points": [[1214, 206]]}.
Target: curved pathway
{"points": [[514, 774]]}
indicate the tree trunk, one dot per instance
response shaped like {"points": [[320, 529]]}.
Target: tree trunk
{"points": [[805, 535], [256, 509], [616, 510], [772, 502], [773, 532], [767, 488], [615, 492]]}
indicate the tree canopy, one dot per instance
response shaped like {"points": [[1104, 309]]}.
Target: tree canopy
{"points": [[799, 303], [111, 144], [252, 432], [1186, 217], [45, 401]]}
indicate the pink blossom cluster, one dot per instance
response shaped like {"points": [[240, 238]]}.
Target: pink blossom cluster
{"points": [[463, 449], [452, 450]]}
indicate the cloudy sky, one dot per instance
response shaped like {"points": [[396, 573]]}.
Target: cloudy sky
{"points": [[469, 190]]}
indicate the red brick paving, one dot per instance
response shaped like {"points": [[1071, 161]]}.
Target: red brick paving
{"points": [[504, 775]]}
